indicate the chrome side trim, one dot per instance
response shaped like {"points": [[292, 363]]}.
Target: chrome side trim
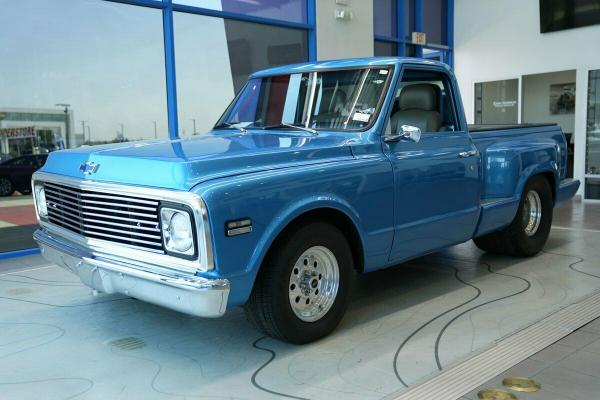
{"points": [[189, 293], [128, 253]]}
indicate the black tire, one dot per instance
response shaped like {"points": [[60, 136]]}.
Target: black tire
{"points": [[514, 239], [6, 187], [269, 307]]}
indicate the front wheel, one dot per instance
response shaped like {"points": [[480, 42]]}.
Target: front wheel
{"points": [[528, 232], [302, 290], [6, 187]]}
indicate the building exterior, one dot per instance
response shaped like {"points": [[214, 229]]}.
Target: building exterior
{"points": [[509, 72], [31, 131]]}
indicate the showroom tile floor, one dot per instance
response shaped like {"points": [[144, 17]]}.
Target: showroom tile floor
{"points": [[58, 341], [567, 370]]}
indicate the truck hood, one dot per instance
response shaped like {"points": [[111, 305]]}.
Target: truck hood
{"points": [[183, 163]]}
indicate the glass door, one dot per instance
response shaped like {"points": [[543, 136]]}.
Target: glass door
{"points": [[592, 153]]}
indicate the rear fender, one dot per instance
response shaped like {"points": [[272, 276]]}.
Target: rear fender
{"points": [[509, 165]]}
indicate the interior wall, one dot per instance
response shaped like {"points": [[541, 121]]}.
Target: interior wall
{"points": [[536, 99], [496, 40], [344, 39]]}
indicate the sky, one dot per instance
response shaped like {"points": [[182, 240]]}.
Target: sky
{"points": [[107, 61]]}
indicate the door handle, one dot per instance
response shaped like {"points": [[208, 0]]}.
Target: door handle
{"points": [[470, 153]]}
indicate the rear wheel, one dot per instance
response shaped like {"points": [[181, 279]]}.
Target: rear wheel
{"points": [[528, 232], [302, 290], [6, 187]]}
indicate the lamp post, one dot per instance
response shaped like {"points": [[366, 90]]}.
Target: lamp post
{"points": [[67, 130], [83, 130], [194, 122], [155, 131]]}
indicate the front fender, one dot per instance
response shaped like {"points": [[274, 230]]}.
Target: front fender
{"points": [[302, 206], [359, 189]]}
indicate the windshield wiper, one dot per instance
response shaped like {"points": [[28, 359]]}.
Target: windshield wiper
{"points": [[230, 125], [284, 125]]}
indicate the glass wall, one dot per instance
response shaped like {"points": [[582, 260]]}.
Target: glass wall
{"points": [[394, 22], [497, 102], [84, 56], [84, 72], [435, 21], [284, 10], [592, 159]]}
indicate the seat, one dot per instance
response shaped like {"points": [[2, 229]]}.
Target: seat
{"points": [[333, 101], [418, 106]]}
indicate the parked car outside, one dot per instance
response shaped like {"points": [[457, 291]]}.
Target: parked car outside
{"points": [[15, 174]]}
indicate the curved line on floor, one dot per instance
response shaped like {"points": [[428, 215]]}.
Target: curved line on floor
{"points": [[61, 331], [396, 355], [63, 305], [457, 316], [572, 265], [89, 381], [159, 369], [39, 283], [271, 358], [72, 282]]}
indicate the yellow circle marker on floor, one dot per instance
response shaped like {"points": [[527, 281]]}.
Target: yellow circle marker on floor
{"points": [[521, 384], [496, 394]]}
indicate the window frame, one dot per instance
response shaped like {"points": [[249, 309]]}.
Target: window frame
{"points": [[460, 125], [402, 42], [169, 7], [378, 110]]}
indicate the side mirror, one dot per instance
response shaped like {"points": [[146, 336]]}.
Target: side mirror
{"points": [[409, 132]]}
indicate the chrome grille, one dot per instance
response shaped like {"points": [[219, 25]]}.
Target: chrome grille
{"points": [[127, 220]]}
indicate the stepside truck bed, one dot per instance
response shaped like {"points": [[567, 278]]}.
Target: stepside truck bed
{"points": [[509, 155]]}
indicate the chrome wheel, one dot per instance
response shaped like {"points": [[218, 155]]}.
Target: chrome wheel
{"points": [[314, 283], [6, 187], [532, 212]]}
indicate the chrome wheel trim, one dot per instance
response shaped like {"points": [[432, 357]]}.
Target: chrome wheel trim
{"points": [[532, 212], [5, 187], [314, 283]]}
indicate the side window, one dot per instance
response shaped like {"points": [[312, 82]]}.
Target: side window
{"points": [[423, 99]]}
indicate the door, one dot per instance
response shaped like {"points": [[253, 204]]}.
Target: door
{"points": [[437, 185]]}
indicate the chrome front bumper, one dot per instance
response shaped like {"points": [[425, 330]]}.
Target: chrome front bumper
{"points": [[178, 291]]}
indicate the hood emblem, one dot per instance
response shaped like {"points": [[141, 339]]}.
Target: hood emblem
{"points": [[89, 167]]}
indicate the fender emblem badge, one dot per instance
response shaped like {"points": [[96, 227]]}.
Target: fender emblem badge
{"points": [[88, 167]]}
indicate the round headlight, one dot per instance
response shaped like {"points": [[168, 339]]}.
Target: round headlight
{"points": [[40, 201], [177, 231]]}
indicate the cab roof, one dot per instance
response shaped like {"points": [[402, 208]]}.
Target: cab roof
{"points": [[345, 63]]}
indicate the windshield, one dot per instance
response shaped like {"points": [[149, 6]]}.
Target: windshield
{"points": [[336, 100]]}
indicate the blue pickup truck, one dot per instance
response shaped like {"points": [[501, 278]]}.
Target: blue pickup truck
{"points": [[314, 173]]}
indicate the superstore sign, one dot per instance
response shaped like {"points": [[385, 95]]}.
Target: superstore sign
{"points": [[23, 132]]}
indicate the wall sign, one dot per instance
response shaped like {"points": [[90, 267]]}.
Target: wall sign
{"points": [[419, 38], [24, 132]]}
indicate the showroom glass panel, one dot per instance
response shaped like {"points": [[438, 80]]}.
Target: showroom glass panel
{"points": [[409, 18], [383, 49], [285, 10], [435, 21], [384, 17], [497, 102], [214, 57], [204, 81], [103, 61], [592, 162], [253, 47]]}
